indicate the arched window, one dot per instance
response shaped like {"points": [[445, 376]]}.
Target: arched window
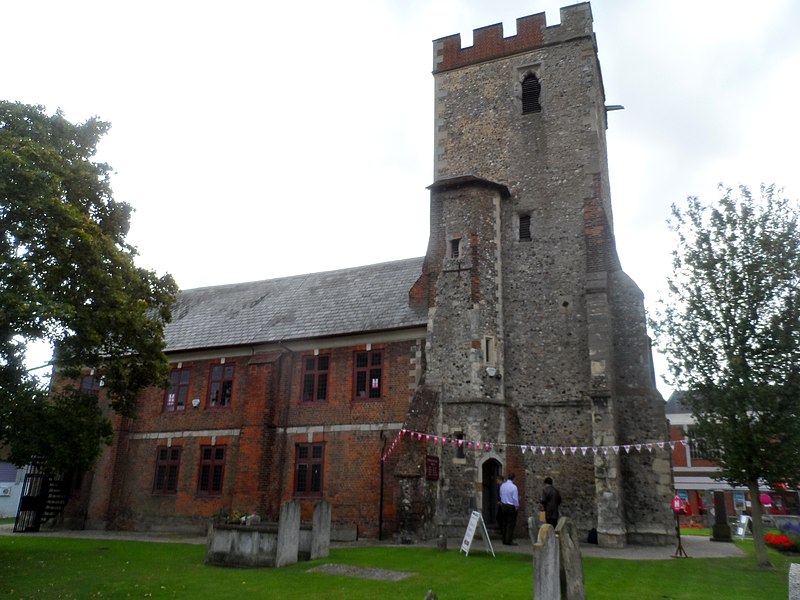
{"points": [[530, 95]]}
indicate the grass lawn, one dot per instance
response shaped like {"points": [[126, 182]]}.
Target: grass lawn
{"points": [[39, 567]]}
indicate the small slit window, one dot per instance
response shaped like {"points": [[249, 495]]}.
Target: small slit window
{"points": [[524, 228], [488, 351], [460, 452], [454, 248], [530, 95]]}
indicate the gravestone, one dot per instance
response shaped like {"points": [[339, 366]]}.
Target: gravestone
{"points": [[321, 531], [794, 581], [721, 532], [546, 565], [533, 529], [571, 571], [288, 534], [441, 541]]}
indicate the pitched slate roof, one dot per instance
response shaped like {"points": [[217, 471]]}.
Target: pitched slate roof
{"points": [[677, 404], [347, 301]]}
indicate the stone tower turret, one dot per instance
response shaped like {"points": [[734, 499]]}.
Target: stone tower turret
{"points": [[535, 334]]}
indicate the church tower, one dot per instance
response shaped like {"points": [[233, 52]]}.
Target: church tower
{"points": [[537, 354]]}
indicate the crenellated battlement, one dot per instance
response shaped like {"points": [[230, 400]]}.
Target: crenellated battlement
{"points": [[488, 42]]}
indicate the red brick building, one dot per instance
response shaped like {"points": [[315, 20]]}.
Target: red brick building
{"points": [[284, 389], [695, 476]]}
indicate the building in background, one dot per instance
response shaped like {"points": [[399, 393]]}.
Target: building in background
{"points": [[11, 479], [695, 475]]}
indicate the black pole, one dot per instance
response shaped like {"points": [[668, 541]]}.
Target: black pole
{"points": [[679, 551]]}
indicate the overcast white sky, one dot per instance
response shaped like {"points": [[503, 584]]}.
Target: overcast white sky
{"points": [[257, 140]]}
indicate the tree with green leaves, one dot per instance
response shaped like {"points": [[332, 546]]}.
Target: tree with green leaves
{"points": [[67, 276], [730, 329]]}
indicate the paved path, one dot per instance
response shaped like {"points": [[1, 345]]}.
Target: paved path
{"points": [[695, 546]]}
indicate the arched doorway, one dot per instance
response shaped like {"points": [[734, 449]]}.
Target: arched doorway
{"points": [[490, 473]]}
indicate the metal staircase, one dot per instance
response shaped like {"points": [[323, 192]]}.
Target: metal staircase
{"points": [[43, 498]]}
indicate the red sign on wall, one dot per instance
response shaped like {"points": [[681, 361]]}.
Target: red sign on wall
{"points": [[432, 468]]}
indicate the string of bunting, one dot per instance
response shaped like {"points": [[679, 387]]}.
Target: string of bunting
{"points": [[534, 449]]}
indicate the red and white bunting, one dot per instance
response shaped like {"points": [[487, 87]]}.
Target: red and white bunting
{"points": [[482, 445]]}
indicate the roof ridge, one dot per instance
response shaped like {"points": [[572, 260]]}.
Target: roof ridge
{"points": [[302, 275]]}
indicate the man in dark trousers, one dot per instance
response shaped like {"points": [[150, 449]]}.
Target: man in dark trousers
{"points": [[550, 501], [509, 505]]}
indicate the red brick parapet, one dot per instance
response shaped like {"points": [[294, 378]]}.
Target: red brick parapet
{"points": [[532, 32]]}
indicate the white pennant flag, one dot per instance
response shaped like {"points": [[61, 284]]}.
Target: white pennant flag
{"points": [[573, 449], [584, 449], [542, 449], [627, 449], [524, 448]]}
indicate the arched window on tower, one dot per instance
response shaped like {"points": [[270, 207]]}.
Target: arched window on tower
{"points": [[530, 95]]}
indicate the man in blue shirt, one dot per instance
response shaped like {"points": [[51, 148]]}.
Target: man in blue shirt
{"points": [[509, 505]]}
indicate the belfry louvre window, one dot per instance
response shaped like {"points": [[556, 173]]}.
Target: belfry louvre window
{"points": [[315, 377], [524, 228], [530, 95], [168, 462], [308, 469], [368, 375]]}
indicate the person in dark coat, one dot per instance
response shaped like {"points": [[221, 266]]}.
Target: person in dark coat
{"points": [[551, 499]]}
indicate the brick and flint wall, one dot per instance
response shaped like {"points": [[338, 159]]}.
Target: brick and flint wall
{"points": [[572, 346]]}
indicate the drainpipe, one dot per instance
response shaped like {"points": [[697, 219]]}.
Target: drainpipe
{"points": [[380, 507]]}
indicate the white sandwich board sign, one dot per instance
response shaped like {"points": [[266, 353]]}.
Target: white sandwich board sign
{"points": [[476, 523]]}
